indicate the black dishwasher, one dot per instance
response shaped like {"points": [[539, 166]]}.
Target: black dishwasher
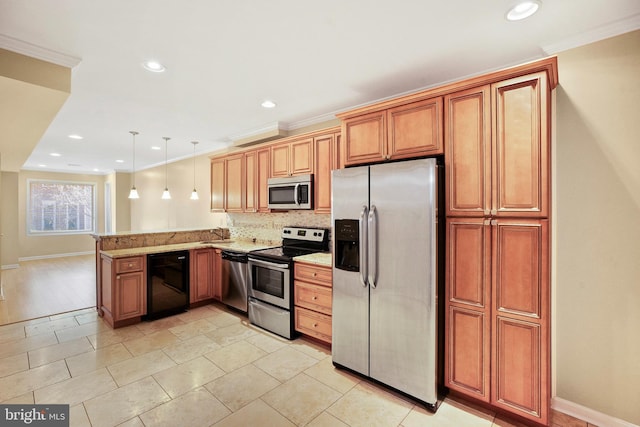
{"points": [[167, 284]]}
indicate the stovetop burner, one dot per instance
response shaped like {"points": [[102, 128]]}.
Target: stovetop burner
{"points": [[296, 241]]}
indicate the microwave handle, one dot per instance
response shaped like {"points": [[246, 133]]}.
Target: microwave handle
{"points": [[296, 194]]}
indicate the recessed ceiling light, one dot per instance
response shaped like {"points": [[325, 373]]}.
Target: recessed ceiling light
{"points": [[75, 136], [55, 154], [155, 147], [42, 166], [96, 170], [153, 66], [268, 104], [119, 161], [523, 9]]}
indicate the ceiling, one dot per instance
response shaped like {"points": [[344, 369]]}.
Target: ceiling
{"points": [[223, 58]]}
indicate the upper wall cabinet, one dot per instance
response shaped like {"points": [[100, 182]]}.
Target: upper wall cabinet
{"points": [[292, 158], [401, 132], [228, 183], [497, 161], [257, 174], [326, 159], [239, 179]]}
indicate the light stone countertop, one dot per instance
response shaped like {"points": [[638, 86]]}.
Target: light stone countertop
{"points": [[238, 246], [320, 258]]}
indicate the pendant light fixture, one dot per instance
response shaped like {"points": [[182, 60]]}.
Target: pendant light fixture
{"points": [[194, 193], [133, 194], [165, 194]]}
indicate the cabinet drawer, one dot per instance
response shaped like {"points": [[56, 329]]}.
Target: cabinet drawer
{"points": [[313, 273], [313, 297], [314, 324], [125, 265]]}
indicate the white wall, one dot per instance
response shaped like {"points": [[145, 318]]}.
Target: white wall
{"points": [[597, 205], [150, 212]]}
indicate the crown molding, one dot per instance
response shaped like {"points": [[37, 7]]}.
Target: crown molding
{"points": [[613, 29], [38, 52]]}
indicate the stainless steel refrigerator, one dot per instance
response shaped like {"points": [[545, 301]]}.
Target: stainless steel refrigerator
{"points": [[385, 275]]}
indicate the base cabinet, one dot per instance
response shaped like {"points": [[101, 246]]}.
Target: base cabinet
{"points": [[124, 290], [312, 299], [201, 276]]}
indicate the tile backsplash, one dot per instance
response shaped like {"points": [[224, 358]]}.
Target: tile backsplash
{"points": [[267, 227]]}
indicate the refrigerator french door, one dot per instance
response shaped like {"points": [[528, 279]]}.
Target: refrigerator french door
{"points": [[385, 274]]}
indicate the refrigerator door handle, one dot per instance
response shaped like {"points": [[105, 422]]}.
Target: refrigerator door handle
{"points": [[372, 243], [363, 245]]}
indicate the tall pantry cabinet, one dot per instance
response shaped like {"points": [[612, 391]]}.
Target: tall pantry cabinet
{"points": [[497, 163]]}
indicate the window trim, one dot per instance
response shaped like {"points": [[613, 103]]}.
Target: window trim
{"points": [[94, 208]]}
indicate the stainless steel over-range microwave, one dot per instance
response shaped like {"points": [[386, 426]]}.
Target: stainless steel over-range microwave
{"points": [[295, 192]]}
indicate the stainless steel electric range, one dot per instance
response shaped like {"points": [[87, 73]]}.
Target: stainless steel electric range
{"points": [[270, 286]]}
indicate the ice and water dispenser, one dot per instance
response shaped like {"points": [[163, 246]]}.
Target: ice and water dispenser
{"points": [[347, 237]]}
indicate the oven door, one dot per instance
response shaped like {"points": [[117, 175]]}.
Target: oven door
{"points": [[270, 282]]}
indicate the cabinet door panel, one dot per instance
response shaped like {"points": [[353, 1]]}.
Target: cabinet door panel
{"points": [[467, 360], [262, 173], [415, 129], [235, 182], [280, 160], [201, 275], [468, 145], [521, 157], [517, 373], [365, 138], [130, 296], [325, 161], [218, 186], [251, 182], [520, 258], [468, 268], [302, 157]]}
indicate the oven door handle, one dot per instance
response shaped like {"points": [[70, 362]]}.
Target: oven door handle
{"points": [[266, 264]]}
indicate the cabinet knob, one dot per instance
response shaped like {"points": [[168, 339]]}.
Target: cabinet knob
{"points": [[315, 274], [130, 265], [118, 277], [315, 325], [314, 298]]}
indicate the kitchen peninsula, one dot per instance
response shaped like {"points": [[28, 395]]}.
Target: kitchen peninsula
{"points": [[121, 268]]}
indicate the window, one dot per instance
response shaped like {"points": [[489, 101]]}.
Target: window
{"points": [[57, 207]]}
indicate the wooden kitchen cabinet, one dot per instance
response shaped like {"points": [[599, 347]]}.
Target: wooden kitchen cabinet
{"points": [[520, 317], [263, 171], [228, 183], [235, 183], [497, 305], [401, 132], [326, 159], [124, 290], [218, 185], [201, 275], [257, 174], [292, 158], [312, 299], [468, 308], [250, 200], [497, 160], [497, 163]]}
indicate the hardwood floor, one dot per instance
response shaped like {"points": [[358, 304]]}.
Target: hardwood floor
{"points": [[46, 287]]}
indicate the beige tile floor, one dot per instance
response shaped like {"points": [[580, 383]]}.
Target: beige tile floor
{"points": [[206, 367]]}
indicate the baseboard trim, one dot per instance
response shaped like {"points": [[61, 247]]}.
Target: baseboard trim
{"points": [[33, 258], [9, 266], [587, 414]]}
